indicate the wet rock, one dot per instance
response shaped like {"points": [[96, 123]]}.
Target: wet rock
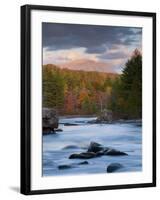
{"points": [[95, 147], [69, 166], [75, 155], [50, 120], [100, 153], [82, 122], [96, 150], [70, 124], [114, 152], [85, 155], [106, 116], [83, 163], [65, 166], [94, 121], [71, 147], [58, 130], [48, 131], [114, 167], [106, 149]]}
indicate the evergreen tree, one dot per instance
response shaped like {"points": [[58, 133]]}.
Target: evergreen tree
{"points": [[131, 83]]}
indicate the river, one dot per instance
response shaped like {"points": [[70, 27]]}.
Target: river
{"points": [[125, 137]]}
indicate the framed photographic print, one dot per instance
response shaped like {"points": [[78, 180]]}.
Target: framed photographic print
{"points": [[88, 99]]}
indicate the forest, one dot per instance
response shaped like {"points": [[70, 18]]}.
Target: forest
{"points": [[73, 92]]}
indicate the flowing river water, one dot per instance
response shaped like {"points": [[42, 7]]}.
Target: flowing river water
{"points": [[58, 147]]}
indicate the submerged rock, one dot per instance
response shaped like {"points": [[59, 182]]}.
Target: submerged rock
{"points": [[114, 167], [71, 147], [65, 166], [68, 166], [83, 163]]}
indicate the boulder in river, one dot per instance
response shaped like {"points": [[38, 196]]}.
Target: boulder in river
{"points": [[95, 147], [114, 167], [83, 155], [106, 116], [50, 120], [100, 150], [96, 150]]}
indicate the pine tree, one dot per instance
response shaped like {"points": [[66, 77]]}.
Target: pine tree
{"points": [[131, 85]]}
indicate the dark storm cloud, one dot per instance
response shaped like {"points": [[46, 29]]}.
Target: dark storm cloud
{"points": [[94, 38]]}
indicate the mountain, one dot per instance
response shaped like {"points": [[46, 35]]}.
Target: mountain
{"points": [[88, 65]]}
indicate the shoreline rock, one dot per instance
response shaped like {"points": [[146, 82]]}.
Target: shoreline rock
{"points": [[50, 120], [138, 122], [106, 116]]}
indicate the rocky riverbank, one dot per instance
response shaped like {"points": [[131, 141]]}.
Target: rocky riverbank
{"points": [[51, 120]]}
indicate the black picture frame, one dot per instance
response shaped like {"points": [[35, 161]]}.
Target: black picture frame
{"points": [[26, 98]]}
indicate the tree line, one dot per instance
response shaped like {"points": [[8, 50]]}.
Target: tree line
{"points": [[74, 92]]}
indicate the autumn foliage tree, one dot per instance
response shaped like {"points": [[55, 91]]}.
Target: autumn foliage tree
{"points": [[85, 93], [53, 88], [75, 92]]}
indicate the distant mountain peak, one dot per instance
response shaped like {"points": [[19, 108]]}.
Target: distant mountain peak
{"points": [[88, 65]]}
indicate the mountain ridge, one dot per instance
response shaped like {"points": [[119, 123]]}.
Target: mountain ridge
{"points": [[88, 65], [111, 74]]}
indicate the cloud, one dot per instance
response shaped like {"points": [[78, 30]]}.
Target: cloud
{"points": [[94, 38], [117, 56], [66, 55], [116, 52], [63, 43]]}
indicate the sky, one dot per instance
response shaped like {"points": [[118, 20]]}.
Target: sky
{"points": [[71, 43]]}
